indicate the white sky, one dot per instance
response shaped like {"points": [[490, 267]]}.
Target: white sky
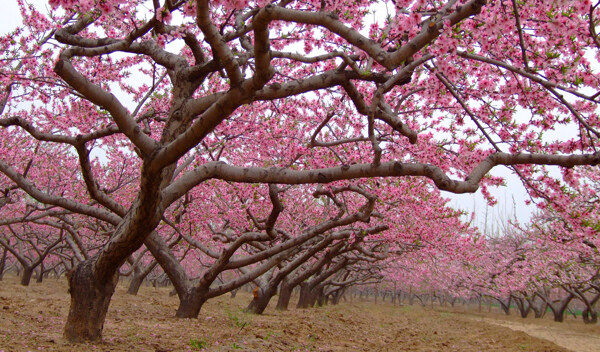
{"points": [[511, 199]]}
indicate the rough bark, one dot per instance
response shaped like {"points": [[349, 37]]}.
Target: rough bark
{"points": [[90, 298], [304, 299], [190, 303], [285, 295], [26, 277], [261, 300]]}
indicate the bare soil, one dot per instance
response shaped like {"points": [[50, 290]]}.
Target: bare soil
{"points": [[32, 318], [571, 334]]}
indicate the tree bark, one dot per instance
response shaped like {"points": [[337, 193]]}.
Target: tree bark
{"points": [[285, 295], [304, 299], [190, 303], [261, 300], [26, 277], [319, 296], [40, 276], [90, 298], [2, 263], [135, 284]]}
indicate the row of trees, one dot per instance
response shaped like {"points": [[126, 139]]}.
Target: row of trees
{"points": [[549, 264], [284, 143]]}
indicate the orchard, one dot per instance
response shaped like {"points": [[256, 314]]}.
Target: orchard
{"points": [[300, 149]]}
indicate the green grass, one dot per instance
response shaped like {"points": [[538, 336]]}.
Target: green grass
{"points": [[198, 344]]}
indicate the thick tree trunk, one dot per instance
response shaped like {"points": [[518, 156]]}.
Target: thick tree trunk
{"points": [[559, 307], [305, 296], [285, 294], [26, 277], [90, 299], [539, 311], [261, 300], [559, 315], [319, 297], [190, 303]]}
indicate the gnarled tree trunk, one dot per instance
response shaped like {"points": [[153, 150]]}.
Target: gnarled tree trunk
{"points": [[190, 303], [90, 298]]}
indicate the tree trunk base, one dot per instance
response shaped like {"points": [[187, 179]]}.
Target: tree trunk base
{"points": [[90, 299], [190, 305]]}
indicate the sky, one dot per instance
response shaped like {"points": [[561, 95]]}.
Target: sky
{"points": [[511, 198]]}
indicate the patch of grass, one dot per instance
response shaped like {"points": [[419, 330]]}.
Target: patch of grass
{"points": [[198, 344], [236, 346], [523, 347], [236, 320]]}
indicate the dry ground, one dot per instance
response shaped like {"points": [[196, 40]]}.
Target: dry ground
{"points": [[32, 318]]}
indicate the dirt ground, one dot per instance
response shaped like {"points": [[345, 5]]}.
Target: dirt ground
{"points": [[571, 334], [32, 318]]}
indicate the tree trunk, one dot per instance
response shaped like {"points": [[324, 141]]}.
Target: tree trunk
{"points": [[190, 303], [261, 300], [505, 306], [539, 311], [135, 284], [319, 296], [90, 298], [335, 298], [285, 294], [2, 264], [559, 307], [589, 316], [559, 315], [26, 277], [40, 276], [305, 296], [523, 306]]}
